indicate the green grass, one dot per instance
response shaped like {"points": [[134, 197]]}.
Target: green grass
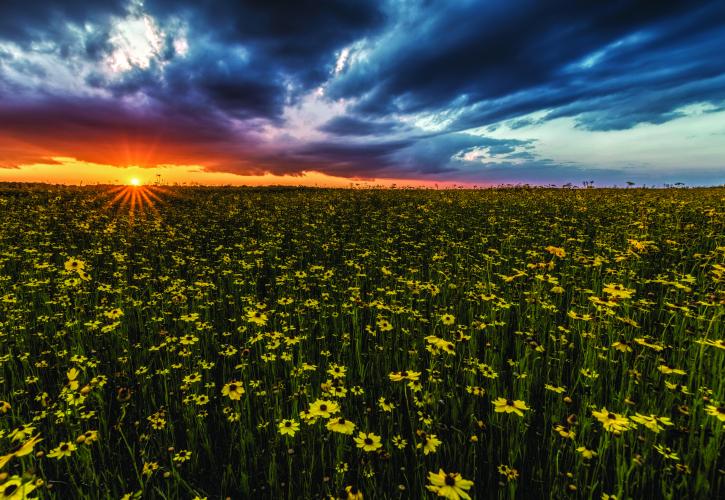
{"points": [[256, 285]]}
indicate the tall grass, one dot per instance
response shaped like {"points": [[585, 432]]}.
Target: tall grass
{"points": [[561, 302]]}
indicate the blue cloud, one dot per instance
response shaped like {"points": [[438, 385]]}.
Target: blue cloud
{"points": [[500, 63]]}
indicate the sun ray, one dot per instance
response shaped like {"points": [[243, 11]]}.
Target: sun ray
{"points": [[137, 200], [150, 193], [120, 193], [149, 202]]}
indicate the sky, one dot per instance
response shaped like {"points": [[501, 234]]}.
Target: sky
{"points": [[418, 92]]}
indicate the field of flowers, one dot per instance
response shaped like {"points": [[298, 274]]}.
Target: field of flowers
{"points": [[308, 343]]}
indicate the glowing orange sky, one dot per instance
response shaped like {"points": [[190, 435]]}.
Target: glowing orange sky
{"points": [[71, 171]]}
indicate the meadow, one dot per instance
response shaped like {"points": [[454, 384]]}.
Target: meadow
{"points": [[177, 342]]}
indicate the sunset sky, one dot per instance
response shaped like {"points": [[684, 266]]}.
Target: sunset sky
{"points": [[333, 93]]}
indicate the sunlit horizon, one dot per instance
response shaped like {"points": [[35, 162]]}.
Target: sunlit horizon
{"points": [[76, 173]]}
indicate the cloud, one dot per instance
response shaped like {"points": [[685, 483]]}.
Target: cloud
{"points": [[100, 131], [359, 89], [27, 22], [296, 38], [505, 59], [350, 125]]}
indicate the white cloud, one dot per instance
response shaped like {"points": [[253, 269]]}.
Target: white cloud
{"points": [[137, 40], [342, 60], [693, 141], [62, 66], [302, 119], [42, 67], [484, 154]]}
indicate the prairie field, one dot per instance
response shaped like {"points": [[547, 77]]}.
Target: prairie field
{"points": [[179, 342]]}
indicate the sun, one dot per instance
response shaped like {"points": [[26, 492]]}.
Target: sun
{"points": [[134, 181]]}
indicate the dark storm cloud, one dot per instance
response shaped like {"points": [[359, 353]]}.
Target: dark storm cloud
{"points": [[227, 83], [350, 125], [295, 37], [500, 60], [23, 21]]}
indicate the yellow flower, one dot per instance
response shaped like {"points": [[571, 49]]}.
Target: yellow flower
{"points": [[621, 346], [384, 325], [716, 411], [510, 473], [399, 442], [323, 409], [564, 432], [63, 450], [510, 406], [667, 452], [643, 342], [27, 447], [288, 427], [353, 493], [74, 264], [720, 344], [182, 456], [437, 343], [385, 405], [21, 450], [557, 251], [429, 444], [72, 375], [188, 339], [475, 390], [87, 437], [617, 291], [448, 319], [487, 371], [149, 468], [652, 422], [450, 485], [554, 388], [337, 371], [368, 442], [668, 370], [113, 313], [16, 489], [75, 398], [612, 422], [341, 425], [257, 317], [21, 432], [586, 452], [404, 375], [233, 390]]}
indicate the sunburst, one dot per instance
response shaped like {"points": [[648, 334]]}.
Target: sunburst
{"points": [[137, 198]]}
